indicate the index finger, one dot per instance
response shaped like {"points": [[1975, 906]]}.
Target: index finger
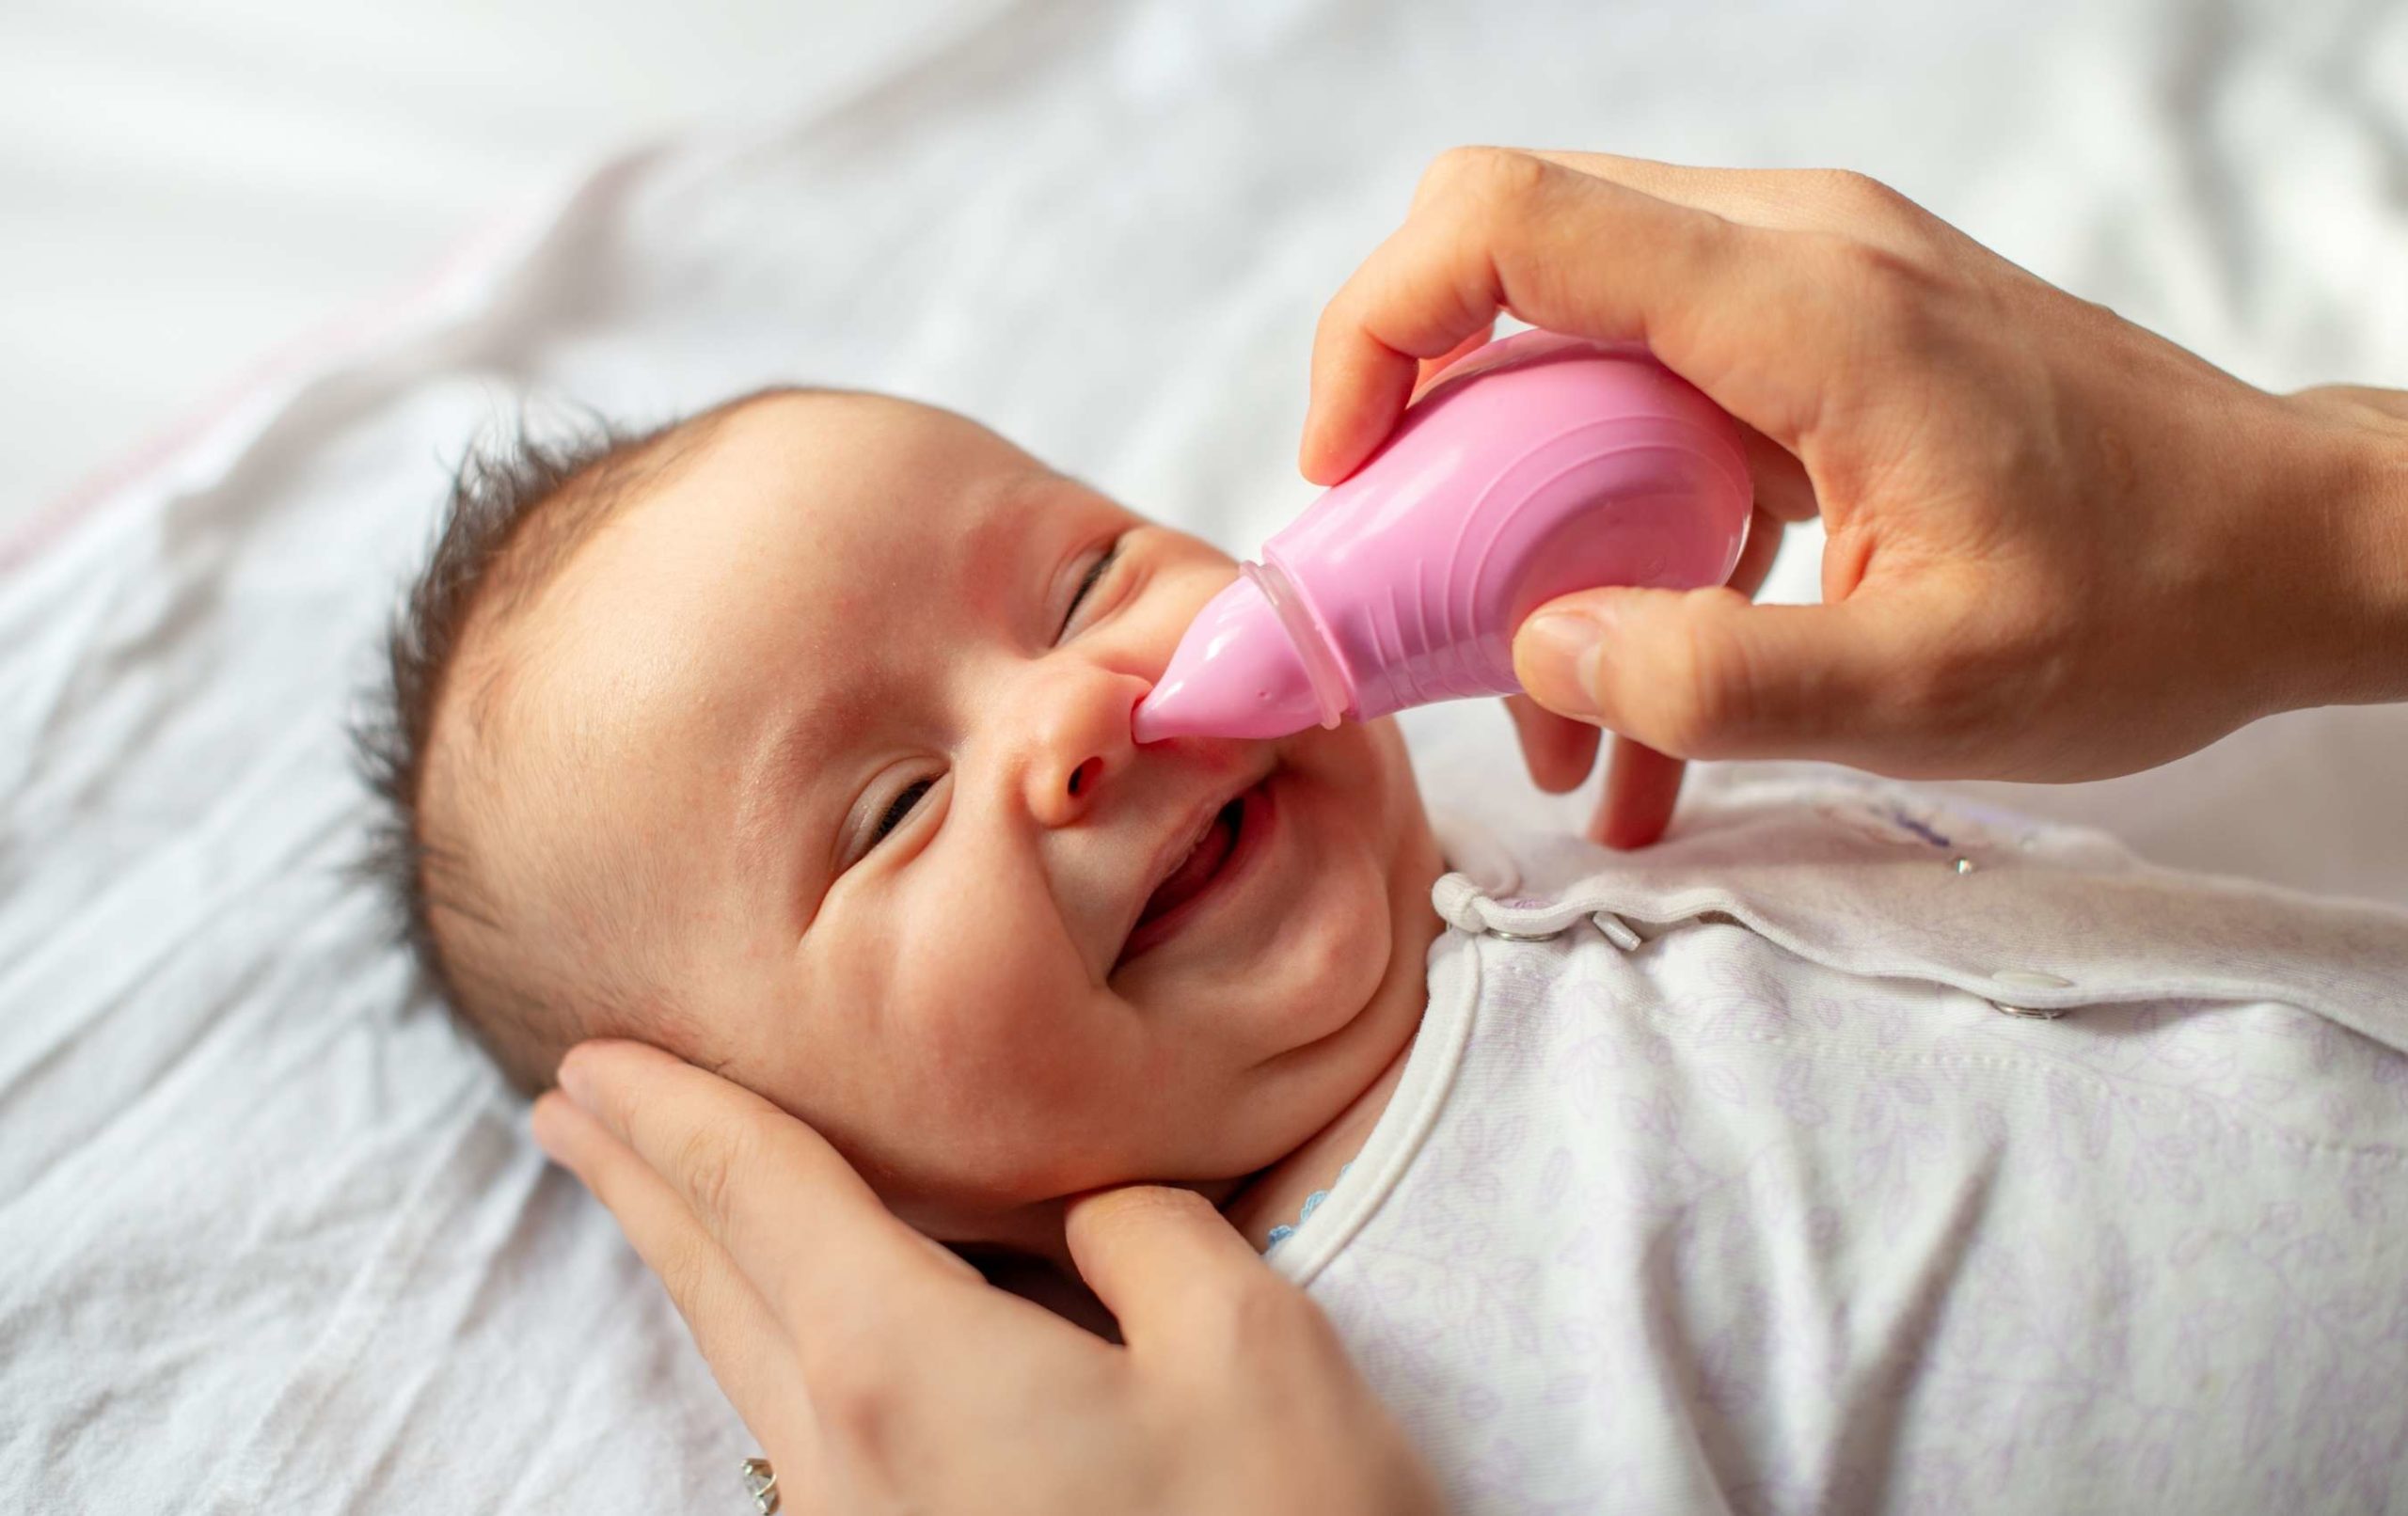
{"points": [[794, 1217], [1493, 230]]}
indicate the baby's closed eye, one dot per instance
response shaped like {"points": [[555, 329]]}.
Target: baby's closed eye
{"points": [[1087, 582], [900, 807]]}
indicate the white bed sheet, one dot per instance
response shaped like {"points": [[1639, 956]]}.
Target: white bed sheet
{"points": [[270, 1238]]}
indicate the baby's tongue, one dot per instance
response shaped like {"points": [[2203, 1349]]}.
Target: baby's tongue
{"points": [[1189, 879]]}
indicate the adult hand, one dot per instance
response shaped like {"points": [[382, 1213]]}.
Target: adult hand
{"points": [[880, 1373], [2059, 546]]}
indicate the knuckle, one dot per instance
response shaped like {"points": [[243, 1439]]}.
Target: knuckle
{"points": [[702, 1165], [1880, 273], [1859, 193], [709, 1159], [1508, 177], [1964, 669], [1709, 689], [1886, 292], [1337, 318], [853, 1400], [1482, 174], [1451, 169]]}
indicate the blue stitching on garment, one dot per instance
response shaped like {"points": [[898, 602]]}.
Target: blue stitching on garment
{"points": [[1312, 1203], [1928, 833]]}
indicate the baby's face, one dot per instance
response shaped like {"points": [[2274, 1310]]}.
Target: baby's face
{"points": [[855, 684]]}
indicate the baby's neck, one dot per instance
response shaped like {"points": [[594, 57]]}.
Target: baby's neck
{"points": [[1276, 1195]]}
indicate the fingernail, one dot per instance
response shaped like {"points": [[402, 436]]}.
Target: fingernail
{"points": [[543, 1122], [1556, 656], [571, 1079]]}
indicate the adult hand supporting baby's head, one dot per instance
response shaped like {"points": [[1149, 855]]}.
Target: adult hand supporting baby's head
{"points": [[2059, 546], [880, 1372]]}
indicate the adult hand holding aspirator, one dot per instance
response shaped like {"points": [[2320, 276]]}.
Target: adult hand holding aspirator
{"points": [[2060, 548]]}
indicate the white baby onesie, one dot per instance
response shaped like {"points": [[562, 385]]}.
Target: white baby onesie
{"points": [[1750, 1173]]}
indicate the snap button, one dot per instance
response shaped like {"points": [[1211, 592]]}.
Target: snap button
{"points": [[1524, 937], [2028, 979]]}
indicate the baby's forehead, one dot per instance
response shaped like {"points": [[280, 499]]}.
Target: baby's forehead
{"points": [[875, 509], [831, 460]]}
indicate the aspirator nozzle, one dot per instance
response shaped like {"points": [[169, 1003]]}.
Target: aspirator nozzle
{"points": [[1236, 674]]}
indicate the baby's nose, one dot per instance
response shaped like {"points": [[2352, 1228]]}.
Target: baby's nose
{"points": [[1080, 741], [1065, 782]]}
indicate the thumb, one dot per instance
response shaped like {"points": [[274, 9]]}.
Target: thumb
{"points": [[1432, 368], [1703, 673], [1153, 1254]]}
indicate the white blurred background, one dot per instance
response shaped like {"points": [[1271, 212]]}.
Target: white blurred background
{"points": [[186, 189]]}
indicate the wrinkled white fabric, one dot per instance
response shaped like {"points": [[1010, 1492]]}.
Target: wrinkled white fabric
{"points": [[1739, 1177], [271, 1240]]}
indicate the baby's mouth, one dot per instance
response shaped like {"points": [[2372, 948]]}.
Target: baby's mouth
{"points": [[1224, 837], [1196, 869]]}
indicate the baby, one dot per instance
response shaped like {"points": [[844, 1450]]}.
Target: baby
{"points": [[795, 739], [1851, 1149]]}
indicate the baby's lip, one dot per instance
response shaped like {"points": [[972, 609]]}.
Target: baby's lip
{"points": [[1176, 843]]}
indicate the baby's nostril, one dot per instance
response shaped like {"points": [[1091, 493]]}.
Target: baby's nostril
{"points": [[1085, 775]]}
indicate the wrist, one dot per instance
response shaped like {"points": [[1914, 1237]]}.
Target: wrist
{"points": [[2355, 472]]}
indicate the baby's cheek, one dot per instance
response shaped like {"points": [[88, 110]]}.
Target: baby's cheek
{"points": [[1018, 1081], [989, 1041]]}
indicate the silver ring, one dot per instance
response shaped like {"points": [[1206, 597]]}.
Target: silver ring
{"points": [[761, 1483]]}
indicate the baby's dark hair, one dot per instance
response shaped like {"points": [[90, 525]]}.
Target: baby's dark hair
{"points": [[519, 508]]}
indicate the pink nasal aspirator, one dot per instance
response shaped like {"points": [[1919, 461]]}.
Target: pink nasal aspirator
{"points": [[1534, 466]]}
